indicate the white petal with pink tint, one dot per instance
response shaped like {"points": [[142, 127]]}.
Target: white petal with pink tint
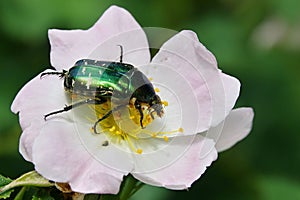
{"points": [[234, 128], [115, 27], [59, 155], [37, 98], [186, 169], [185, 55]]}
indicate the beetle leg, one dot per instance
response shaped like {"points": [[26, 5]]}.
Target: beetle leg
{"points": [[99, 120], [69, 107], [137, 105], [104, 117], [60, 74], [142, 117]]}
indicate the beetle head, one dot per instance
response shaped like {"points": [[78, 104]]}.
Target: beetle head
{"points": [[148, 111], [156, 107]]}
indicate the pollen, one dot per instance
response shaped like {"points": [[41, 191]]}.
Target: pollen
{"points": [[92, 129], [157, 90], [139, 151], [100, 116], [165, 103], [112, 129], [149, 118], [166, 138], [123, 127]]}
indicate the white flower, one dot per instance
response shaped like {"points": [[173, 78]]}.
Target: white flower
{"points": [[171, 152]]}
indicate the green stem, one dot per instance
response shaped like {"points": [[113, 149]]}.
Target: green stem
{"points": [[128, 188], [20, 194]]}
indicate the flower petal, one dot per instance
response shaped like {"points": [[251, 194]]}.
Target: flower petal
{"points": [[115, 27], [37, 98], [185, 55], [236, 126], [232, 89], [186, 169], [182, 103], [27, 138], [60, 155]]}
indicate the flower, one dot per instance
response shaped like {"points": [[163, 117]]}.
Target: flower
{"points": [[171, 152]]}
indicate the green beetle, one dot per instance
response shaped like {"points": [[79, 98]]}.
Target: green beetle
{"points": [[99, 81]]}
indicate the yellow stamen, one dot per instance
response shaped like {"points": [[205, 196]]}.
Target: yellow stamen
{"points": [[124, 125], [92, 129], [166, 138], [112, 129], [165, 103], [139, 151]]}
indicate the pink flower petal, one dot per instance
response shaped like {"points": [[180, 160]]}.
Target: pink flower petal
{"points": [[185, 55], [182, 110], [232, 90], [27, 138], [184, 171], [115, 27], [60, 155], [236, 127], [37, 98]]}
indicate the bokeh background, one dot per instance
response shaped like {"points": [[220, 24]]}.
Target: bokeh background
{"points": [[256, 41]]}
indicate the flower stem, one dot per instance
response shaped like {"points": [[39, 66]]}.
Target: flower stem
{"points": [[128, 188], [20, 194]]}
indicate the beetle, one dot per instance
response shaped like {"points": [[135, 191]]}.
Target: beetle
{"points": [[98, 81]]}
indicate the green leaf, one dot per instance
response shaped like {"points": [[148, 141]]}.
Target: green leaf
{"points": [[29, 179], [6, 194], [92, 197], [4, 181], [42, 195]]}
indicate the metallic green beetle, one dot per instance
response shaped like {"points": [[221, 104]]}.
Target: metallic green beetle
{"points": [[99, 81]]}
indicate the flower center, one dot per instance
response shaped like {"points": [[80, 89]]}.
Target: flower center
{"points": [[123, 125]]}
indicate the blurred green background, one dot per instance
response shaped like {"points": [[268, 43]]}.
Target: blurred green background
{"points": [[256, 41]]}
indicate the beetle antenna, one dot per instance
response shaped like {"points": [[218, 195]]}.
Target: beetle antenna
{"points": [[121, 56]]}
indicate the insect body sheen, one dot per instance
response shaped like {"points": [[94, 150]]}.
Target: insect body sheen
{"points": [[98, 81]]}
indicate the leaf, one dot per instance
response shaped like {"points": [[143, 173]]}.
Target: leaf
{"points": [[6, 194], [92, 197], [4, 181], [43, 197], [29, 179]]}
